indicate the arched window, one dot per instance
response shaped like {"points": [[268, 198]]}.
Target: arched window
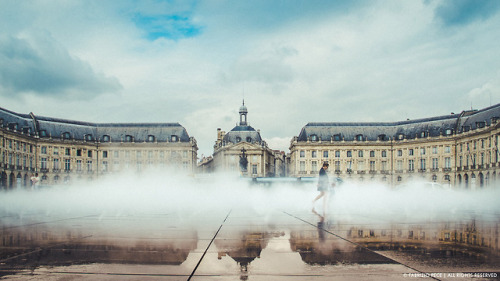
{"points": [[423, 134], [359, 137], [106, 138], [151, 138], [314, 138], [448, 132], [249, 139], [174, 138], [129, 138], [89, 137], [238, 139], [401, 136]]}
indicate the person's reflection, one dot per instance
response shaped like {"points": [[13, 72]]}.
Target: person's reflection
{"points": [[321, 224]]}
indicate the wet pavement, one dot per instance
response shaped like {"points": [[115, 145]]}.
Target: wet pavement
{"points": [[245, 244]]}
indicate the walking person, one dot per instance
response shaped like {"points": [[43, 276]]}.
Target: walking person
{"points": [[323, 185]]}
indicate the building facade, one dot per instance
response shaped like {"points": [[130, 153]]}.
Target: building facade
{"points": [[61, 151], [242, 151], [455, 150]]}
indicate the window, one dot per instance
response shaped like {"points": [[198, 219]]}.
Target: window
{"points": [[349, 153], [447, 162], [104, 166], [361, 165], [435, 165], [67, 152], [400, 178], [78, 165], [238, 139], [422, 164], [325, 154], [67, 165], [447, 149], [422, 151], [337, 153], [372, 153], [56, 150], [401, 136], [89, 137], [314, 138], [302, 154], [56, 164], [383, 166], [359, 137], [434, 150], [151, 138], [129, 138], [399, 165], [314, 166], [43, 150], [78, 152], [400, 152], [382, 137], [423, 134], [372, 166], [254, 169], [43, 133], [410, 151], [434, 178], [302, 166], [174, 138], [66, 135], [249, 139], [89, 153], [337, 165], [89, 166], [314, 154], [384, 153], [411, 165], [106, 138], [448, 132], [116, 154], [360, 153], [336, 137], [104, 154], [43, 163]]}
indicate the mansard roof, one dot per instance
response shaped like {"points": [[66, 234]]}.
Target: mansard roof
{"points": [[78, 130], [409, 129], [242, 133]]}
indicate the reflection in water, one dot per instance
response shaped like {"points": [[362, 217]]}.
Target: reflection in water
{"points": [[54, 245], [244, 247], [447, 244]]}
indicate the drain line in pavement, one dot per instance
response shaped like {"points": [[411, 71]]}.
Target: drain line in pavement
{"points": [[209, 244], [359, 245]]}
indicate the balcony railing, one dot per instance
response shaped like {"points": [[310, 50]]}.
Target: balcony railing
{"points": [[385, 172], [411, 171], [446, 169], [421, 170], [44, 170], [361, 172], [435, 170]]}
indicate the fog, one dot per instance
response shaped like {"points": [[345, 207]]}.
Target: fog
{"points": [[192, 198]]}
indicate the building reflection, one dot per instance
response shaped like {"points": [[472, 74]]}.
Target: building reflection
{"points": [[447, 242], [41, 245], [244, 247]]}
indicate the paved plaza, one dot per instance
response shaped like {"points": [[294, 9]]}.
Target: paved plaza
{"points": [[246, 243]]}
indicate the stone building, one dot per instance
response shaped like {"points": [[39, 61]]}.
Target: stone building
{"points": [[243, 151], [64, 150], [457, 149]]}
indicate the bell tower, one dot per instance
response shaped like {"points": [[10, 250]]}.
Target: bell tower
{"points": [[243, 115]]}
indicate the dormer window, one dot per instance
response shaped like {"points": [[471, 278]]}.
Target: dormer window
{"points": [[13, 126], [381, 137], [66, 135], [359, 137], [129, 138], [480, 124], [89, 137], [174, 138], [43, 133], [238, 139], [465, 128], [314, 138], [249, 139], [448, 132], [401, 136], [106, 138], [423, 134], [336, 137], [151, 138]]}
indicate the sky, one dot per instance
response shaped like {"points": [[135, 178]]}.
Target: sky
{"points": [[293, 62]]}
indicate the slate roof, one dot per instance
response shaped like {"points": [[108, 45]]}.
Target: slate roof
{"points": [[243, 133], [78, 130], [409, 129]]}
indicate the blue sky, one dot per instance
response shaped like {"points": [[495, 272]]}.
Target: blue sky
{"points": [[293, 61]]}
